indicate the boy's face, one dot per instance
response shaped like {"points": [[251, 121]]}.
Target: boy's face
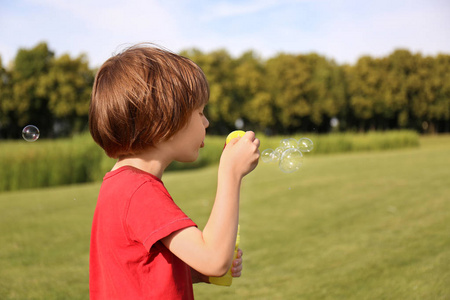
{"points": [[186, 143]]}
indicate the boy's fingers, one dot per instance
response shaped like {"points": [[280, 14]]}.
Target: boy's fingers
{"points": [[239, 253], [250, 135], [236, 270], [257, 142], [237, 274], [237, 262]]}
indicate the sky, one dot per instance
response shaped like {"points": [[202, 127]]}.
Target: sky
{"points": [[342, 30]]}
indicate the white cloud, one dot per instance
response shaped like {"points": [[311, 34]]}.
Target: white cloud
{"points": [[343, 29], [98, 28], [228, 9]]}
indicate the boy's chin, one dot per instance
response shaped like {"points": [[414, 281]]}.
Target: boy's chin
{"points": [[188, 159]]}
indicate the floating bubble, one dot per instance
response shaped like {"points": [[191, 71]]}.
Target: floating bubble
{"points": [[291, 160], [305, 145], [267, 155], [289, 143], [30, 133], [277, 154], [289, 154]]}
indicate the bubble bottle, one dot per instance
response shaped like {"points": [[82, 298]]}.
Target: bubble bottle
{"points": [[227, 279]]}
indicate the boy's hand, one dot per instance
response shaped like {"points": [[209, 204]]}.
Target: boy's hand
{"points": [[241, 155], [236, 267]]}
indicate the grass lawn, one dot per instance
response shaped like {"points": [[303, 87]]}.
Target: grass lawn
{"points": [[369, 225]]}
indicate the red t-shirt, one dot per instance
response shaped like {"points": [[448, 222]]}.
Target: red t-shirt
{"points": [[127, 259]]}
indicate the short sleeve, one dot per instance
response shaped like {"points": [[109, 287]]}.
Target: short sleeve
{"points": [[152, 215]]}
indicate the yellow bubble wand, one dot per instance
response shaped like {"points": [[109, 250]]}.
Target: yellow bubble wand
{"points": [[227, 279]]}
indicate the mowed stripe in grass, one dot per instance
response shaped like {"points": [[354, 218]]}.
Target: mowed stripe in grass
{"points": [[371, 225]]}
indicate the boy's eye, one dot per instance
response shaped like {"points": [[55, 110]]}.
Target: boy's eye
{"points": [[202, 112]]}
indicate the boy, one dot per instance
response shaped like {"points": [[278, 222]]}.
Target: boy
{"points": [[146, 111]]}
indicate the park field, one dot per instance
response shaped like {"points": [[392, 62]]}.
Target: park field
{"points": [[357, 225]]}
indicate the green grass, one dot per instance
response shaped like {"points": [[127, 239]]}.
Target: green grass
{"points": [[361, 225]]}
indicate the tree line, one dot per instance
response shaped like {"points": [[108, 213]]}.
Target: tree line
{"points": [[283, 94]]}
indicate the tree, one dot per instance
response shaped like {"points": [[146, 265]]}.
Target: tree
{"points": [[307, 91], [436, 90], [324, 90], [22, 105], [365, 80], [5, 97], [249, 80], [286, 78], [68, 86], [404, 85], [223, 108]]}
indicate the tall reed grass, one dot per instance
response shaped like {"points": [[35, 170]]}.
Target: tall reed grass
{"points": [[48, 163], [353, 142], [45, 163]]}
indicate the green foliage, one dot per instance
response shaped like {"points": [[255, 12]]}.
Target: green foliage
{"points": [[284, 94], [218, 67], [290, 93], [367, 225], [26, 105], [51, 93], [68, 87], [402, 90], [47, 163], [307, 89]]}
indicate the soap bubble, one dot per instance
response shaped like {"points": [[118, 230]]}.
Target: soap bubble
{"points": [[267, 155], [291, 160], [289, 154], [305, 145], [289, 143], [30, 133], [277, 153]]}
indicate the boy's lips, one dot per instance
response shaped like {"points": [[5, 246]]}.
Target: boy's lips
{"points": [[202, 145]]}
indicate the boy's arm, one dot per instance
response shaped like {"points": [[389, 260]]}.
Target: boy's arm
{"points": [[210, 252]]}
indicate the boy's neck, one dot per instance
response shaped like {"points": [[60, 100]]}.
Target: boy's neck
{"points": [[153, 166]]}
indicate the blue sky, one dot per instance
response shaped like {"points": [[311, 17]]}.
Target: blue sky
{"points": [[342, 30]]}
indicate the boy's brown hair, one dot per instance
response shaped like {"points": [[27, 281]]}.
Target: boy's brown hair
{"points": [[142, 96]]}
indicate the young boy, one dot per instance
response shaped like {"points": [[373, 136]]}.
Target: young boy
{"points": [[147, 111]]}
